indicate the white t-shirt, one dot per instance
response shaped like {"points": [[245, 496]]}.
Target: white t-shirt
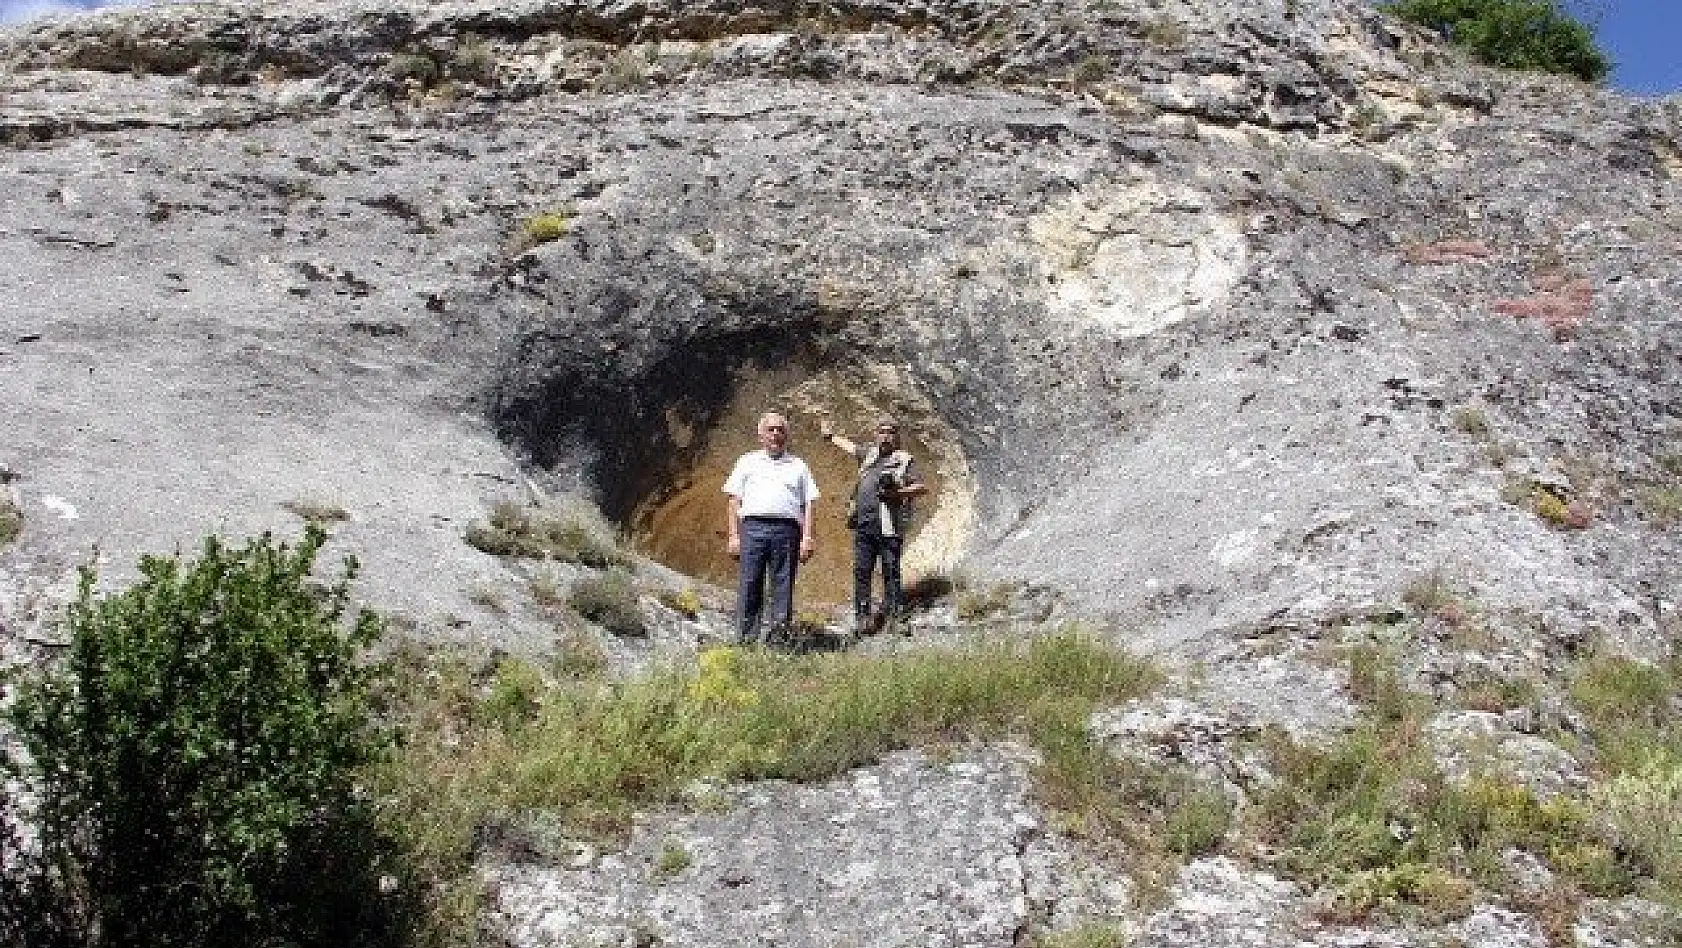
{"points": [[771, 487]]}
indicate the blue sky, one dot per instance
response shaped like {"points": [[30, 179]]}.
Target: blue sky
{"points": [[1643, 37]]}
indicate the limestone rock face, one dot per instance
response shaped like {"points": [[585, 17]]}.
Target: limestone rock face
{"points": [[1231, 321]]}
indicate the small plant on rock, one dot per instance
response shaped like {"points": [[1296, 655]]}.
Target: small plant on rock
{"points": [[673, 859], [541, 229], [11, 520], [317, 512], [415, 68], [1549, 503], [685, 602], [610, 600], [975, 605], [1085, 936], [473, 61], [1471, 420]]}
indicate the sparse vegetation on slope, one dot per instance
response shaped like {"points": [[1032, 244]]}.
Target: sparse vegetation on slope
{"points": [[1374, 818], [590, 752]]}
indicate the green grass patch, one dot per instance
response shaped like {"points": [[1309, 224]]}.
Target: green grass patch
{"points": [[1634, 711], [478, 749], [673, 859]]}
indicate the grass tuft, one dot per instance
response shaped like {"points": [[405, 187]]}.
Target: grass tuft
{"points": [[974, 605], [673, 859], [11, 521], [1086, 936], [320, 513], [610, 600], [567, 534]]}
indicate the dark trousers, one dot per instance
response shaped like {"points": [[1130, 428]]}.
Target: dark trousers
{"points": [[770, 549], [868, 547]]}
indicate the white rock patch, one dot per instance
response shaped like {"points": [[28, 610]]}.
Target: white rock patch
{"points": [[1137, 258]]}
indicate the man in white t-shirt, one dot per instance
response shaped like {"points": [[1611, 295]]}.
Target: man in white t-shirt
{"points": [[771, 495]]}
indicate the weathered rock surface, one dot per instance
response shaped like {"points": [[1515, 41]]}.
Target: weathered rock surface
{"points": [[910, 852], [1239, 320]]}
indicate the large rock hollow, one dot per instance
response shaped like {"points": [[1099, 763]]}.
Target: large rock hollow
{"points": [[655, 447]]}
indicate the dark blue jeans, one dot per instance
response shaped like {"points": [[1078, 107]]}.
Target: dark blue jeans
{"points": [[868, 547], [770, 549]]}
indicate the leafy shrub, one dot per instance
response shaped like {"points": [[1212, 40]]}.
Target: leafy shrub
{"points": [[567, 534], [610, 600], [194, 758], [1536, 35], [1548, 503], [685, 602]]}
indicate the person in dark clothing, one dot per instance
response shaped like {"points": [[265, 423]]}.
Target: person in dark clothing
{"points": [[879, 516]]}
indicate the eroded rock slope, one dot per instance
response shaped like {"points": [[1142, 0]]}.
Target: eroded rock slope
{"points": [[1237, 319]]}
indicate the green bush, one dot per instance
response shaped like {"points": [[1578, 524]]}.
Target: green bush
{"points": [[194, 756], [1535, 35]]}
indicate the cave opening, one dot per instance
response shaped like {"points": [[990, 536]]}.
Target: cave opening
{"points": [[661, 442]]}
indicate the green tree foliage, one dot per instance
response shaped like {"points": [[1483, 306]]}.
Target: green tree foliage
{"points": [[193, 761], [1537, 35]]}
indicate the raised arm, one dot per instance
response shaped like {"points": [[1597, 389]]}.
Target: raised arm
{"points": [[841, 441]]}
